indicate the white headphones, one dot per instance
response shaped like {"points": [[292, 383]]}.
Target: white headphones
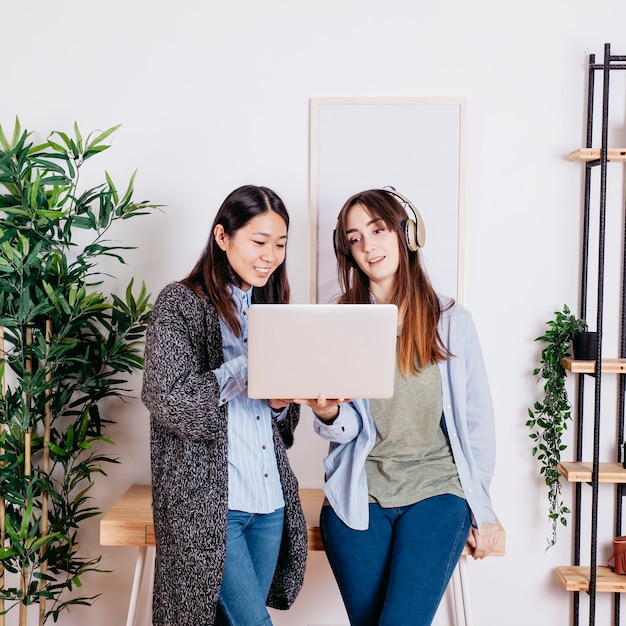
{"points": [[414, 229], [413, 225]]}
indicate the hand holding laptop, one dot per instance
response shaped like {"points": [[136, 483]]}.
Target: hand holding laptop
{"points": [[327, 409]]}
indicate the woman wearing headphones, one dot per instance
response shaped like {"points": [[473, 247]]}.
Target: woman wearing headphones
{"points": [[407, 478]]}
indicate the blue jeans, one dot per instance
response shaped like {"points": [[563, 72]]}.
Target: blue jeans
{"points": [[397, 570], [252, 546]]}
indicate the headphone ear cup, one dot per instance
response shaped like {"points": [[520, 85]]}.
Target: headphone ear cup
{"points": [[410, 235], [413, 225], [420, 229]]}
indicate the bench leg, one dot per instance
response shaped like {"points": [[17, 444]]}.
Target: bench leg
{"points": [[148, 611], [457, 597], [465, 591], [461, 594], [134, 594]]}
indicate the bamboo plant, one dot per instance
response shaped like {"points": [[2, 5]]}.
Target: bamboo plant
{"points": [[65, 346], [549, 417]]}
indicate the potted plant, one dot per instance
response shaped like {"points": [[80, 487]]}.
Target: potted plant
{"points": [[585, 345], [64, 347], [549, 416]]}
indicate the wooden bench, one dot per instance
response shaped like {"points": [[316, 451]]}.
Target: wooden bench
{"points": [[129, 523]]}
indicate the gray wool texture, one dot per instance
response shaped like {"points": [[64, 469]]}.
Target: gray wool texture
{"points": [[189, 462]]}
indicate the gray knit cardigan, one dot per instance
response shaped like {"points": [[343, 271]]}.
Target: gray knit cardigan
{"points": [[189, 460]]}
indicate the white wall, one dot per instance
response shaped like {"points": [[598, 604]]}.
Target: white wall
{"points": [[213, 95]]}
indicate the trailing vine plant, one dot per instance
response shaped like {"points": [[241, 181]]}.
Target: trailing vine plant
{"points": [[549, 417], [64, 347]]}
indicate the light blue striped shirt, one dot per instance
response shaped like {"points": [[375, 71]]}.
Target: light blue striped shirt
{"points": [[253, 481]]}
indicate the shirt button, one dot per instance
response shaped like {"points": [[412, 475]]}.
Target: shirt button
{"points": [[223, 400], [245, 312], [264, 446], [245, 340], [266, 474], [258, 417]]}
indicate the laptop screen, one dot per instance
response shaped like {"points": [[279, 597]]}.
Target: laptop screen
{"points": [[334, 350]]}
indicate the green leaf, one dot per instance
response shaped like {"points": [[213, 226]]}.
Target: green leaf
{"points": [[66, 140], [129, 191], [112, 186], [3, 140], [101, 137], [34, 190], [79, 137], [56, 146], [17, 131]]}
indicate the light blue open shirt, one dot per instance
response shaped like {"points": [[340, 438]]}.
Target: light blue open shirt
{"points": [[468, 417], [253, 481]]}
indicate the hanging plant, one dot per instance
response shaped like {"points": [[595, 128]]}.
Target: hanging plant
{"points": [[64, 347], [549, 416]]}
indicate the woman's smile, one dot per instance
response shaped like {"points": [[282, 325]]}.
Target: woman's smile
{"points": [[375, 260], [255, 250]]}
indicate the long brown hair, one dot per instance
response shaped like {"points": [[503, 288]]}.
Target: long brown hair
{"points": [[419, 343], [212, 274]]}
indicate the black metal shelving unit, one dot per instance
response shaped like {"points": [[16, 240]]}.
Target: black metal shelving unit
{"points": [[586, 576]]}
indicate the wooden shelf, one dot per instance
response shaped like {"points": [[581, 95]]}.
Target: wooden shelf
{"points": [[592, 154], [609, 366], [581, 472], [576, 578]]}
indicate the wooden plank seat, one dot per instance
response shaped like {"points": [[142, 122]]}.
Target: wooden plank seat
{"points": [[129, 522]]}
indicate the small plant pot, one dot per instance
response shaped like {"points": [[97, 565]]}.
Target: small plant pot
{"points": [[585, 346], [619, 556]]}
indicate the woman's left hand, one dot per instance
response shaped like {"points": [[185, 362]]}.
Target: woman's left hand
{"points": [[484, 541]]}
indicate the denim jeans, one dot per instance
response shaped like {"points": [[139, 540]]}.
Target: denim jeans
{"points": [[252, 545], [396, 572]]}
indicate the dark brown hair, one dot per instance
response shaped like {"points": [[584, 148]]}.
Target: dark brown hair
{"points": [[419, 343], [212, 273]]}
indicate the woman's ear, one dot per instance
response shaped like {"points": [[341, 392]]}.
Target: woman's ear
{"points": [[220, 235]]}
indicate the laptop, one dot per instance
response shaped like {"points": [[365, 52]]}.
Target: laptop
{"points": [[334, 350]]}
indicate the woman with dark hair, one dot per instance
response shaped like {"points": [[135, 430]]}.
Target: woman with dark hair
{"points": [[407, 478], [230, 533]]}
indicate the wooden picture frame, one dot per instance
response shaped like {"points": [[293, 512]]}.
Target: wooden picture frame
{"points": [[413, 144]]}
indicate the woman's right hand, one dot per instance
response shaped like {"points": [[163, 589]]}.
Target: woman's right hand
{"points": [[327, 409]]}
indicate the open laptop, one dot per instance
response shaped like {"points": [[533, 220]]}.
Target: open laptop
{"points": [[334, 350]]}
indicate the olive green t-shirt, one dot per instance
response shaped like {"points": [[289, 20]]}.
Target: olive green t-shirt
{"points": [[411, 459]]}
